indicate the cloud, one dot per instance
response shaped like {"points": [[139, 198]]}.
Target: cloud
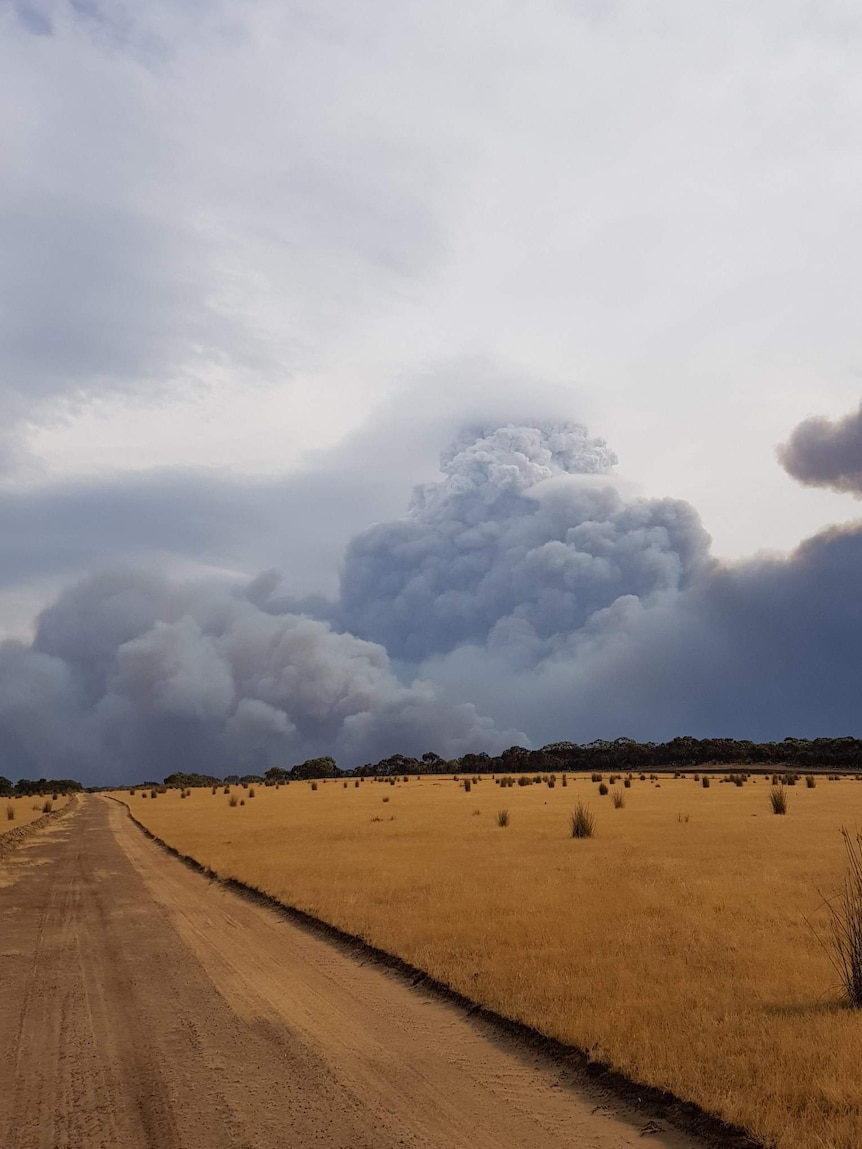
{"points": [[523, 540], [821, 453], [132, 675], [527, 596]]}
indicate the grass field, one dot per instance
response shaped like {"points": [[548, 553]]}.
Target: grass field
{"points": [[24, 810], [678, 945]]}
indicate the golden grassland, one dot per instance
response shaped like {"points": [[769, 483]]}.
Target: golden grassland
{"points": [[678, 945], [25, 810]]}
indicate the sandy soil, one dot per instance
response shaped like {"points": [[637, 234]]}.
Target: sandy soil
{"points": [[142, 1005]]}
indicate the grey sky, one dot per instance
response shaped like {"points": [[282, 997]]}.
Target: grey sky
{"points": [[263, 261]]}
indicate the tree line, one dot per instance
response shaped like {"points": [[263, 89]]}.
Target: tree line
{"points": [[27, 787], [618, 756]]}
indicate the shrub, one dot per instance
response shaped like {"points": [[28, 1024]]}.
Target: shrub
{"points": [[551, 783], [386, 799], [563, 781], [314, 785], [705, 782], [778, 800], [618, 798], [595, 777], [356, 785], [682, 817], [468, 785], [10, 812], [226, 790], [603, 788], [152, 793], [810, 781], [845, 913], [233, 801], [242, 801], [627, 782], [214, 789], [697, 777], [582, 822], [502, 817], [251, 791]]}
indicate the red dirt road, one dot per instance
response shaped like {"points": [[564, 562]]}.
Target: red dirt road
{"points": [[142, 1005]]}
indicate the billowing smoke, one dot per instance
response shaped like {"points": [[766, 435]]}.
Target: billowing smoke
{"points": [[132, 676], [525, 597], [520, 544], [820, 453]]}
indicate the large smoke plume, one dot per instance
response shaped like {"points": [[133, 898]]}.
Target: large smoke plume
{"points": [[525, 597]]}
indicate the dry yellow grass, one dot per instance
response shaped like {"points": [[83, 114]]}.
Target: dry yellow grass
{"points": [[679, 951], [25, 810]]}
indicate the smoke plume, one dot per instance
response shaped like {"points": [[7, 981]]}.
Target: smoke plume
{"points": [[820, 453], [524, 598]]}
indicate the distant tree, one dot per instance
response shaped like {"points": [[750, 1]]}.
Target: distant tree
{"points": [[277, 774], [315, 768], [6, 788]]}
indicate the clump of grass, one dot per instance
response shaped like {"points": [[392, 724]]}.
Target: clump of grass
{"points": [[705, 782], [468, 785], [810, 781], [683, 817], [563, 781], [251, 791], [627, 782], [214, 789], [476, 813], [242, 801], [582, 822], [47, 806], [595, 777], [356, 784], [618, 798], [846, 924], [10, 812], [502, 817], [233, 801], [603, 788], [386, 799], [152, 793], [778, 800], [314, 785], [226, 790]]}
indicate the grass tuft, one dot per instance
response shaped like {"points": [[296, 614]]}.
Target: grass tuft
{"points": [[582, 822], [845, 913], [778, 800], [618, 797], [502, 817]]}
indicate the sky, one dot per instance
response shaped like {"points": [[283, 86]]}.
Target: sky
{"points": [[467, 355]]}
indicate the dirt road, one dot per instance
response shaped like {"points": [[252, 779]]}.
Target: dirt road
{"points": [[143, 1005]]}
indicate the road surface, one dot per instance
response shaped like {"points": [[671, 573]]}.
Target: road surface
{"points": [[142, 1005]]}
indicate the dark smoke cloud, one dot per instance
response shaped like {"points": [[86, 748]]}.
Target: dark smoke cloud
{"points": [[525, 597], [131, 676], [821, 453], [520, 544]]}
